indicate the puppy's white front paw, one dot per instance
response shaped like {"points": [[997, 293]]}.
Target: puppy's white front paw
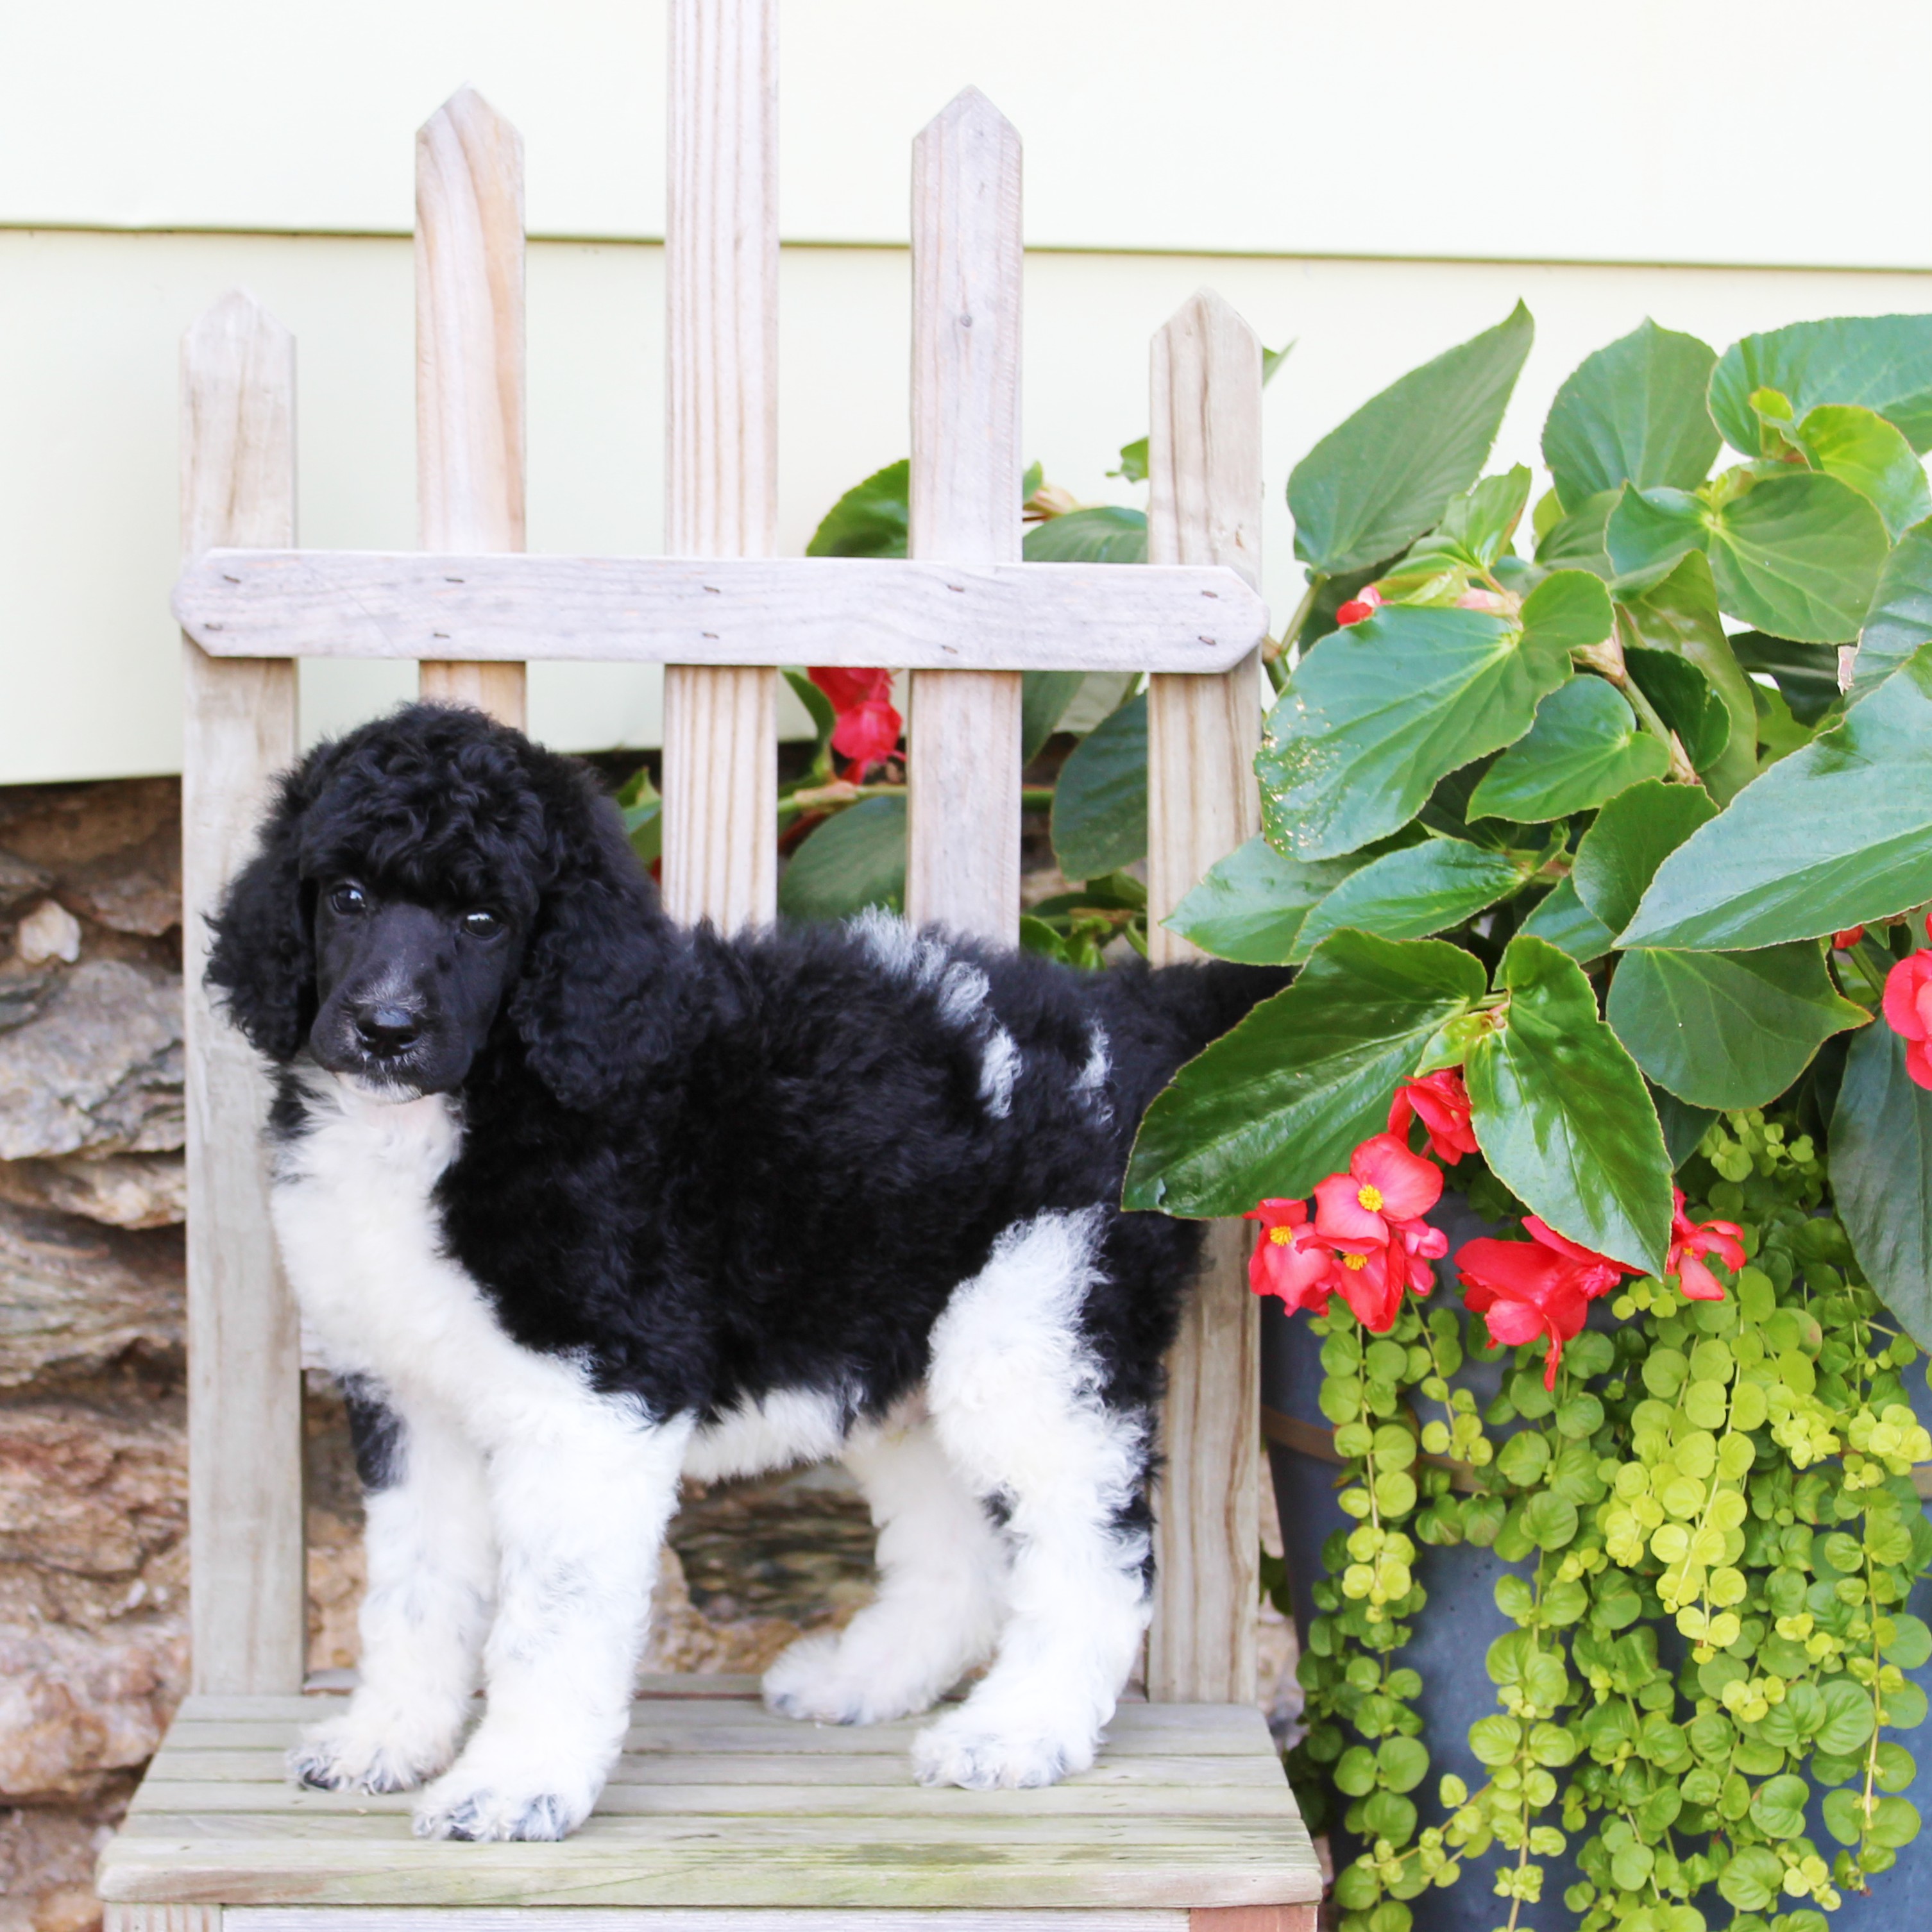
{"points": [[490, 1800], [819, 1680], [361, 1752], [963, 1748]]}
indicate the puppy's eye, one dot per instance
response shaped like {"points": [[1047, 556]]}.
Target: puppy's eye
{"points": [[481, 925], [348, 898]]}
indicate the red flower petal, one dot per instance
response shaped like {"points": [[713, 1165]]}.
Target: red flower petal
{"points": [[1353, 611], [1409, 1185], [1339, 1214], [1843, 942], [847, 688], [1904, 1008], [1276, 1213], [1917, 1064], [1522, 1269], [868, 733], [1696, 1281]]}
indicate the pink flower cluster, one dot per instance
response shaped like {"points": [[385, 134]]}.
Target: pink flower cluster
{"points": [[1368, 1242]]}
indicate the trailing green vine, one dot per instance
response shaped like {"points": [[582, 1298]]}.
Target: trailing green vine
{"points": [[1738, 1471]]}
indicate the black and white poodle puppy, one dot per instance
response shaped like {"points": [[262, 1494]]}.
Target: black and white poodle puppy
{"points": [[578, 1202]]}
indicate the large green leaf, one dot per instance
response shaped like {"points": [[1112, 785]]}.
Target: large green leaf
{"points": [[1861, 448], [1562, 1116], [1411, 893], [1799, 555], [1681, 695], [1044, 696], [1680, 614], [1881, 1155], [856, 859], [1649, 529], [871, 518], [1633, 836], [1900, 619], [1837, 834], [1585, 746], [1107, 533], [1376, 713], [1282, 1100], [1370, 487], [1575, 542], [1883, 361], [1727, 1029], [1250, 905], [1633, 412], [1806, 675], [1566, 923], [1100, 803]]}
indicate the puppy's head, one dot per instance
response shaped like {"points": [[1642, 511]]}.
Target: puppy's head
{"points": [[425, 881]]}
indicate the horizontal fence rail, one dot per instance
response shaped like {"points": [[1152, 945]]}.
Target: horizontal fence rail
{"points": [[734, 611]]}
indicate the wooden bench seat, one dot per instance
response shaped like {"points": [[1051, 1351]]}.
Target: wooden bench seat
{"points": [[717, 1803]]}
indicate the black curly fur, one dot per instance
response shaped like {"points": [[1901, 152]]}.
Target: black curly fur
{"points": [[719, 1166]]}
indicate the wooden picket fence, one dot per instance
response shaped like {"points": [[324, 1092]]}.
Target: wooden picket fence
{"points": [[719, 1815]]}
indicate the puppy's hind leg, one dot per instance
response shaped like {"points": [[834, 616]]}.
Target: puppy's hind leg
{"points": [[1018, 1402], [431, 1563], [942, 1572]]}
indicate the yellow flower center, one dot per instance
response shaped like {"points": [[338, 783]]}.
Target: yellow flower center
{"points": [[1355, 1261], [1281, 1236], [1371, 1198]]}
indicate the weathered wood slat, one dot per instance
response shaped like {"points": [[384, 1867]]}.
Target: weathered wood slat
{"points": [[470, 376], [244, 1362], [764, 610], [161, 1918], [963, 772], [721, 476], [683, 1919], [1204, 468]]}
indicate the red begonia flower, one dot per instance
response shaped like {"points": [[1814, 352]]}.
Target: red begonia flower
{"points": [[1443, 1103], [847, 688], [1843, 942], [1289, 1260], [1353, 611], [1908, 1012], [1540, 1286], [868, 733], [1691, 1240], [1385, 1184]]}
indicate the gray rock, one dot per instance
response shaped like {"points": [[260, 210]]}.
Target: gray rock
{"points": [[74, 1296], [19, 882], [124, 1190], [97, 1070]]}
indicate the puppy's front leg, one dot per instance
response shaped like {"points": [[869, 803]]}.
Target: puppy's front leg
{"points": [[580, 1503], [431, 1569]]}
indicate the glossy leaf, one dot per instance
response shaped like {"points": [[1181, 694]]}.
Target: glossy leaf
{"points": [[1575, 541], [1377, 712], [1281, 1100], [1632, 836], [1633, 412], [1881, 1157], [1861, 448], [1562, 1115], [1681, 696], [1806, 675], [855, 859], [1250, 905], [1649, 530], [1044, 697], [1413, 892], [1370, 487], [1799, 555], [872, 519], [1109, 533], [1565, 922], [1900, 619], [1883, 362], [1585, 746], [1100, 803], [1478, 524], [1838, 834], [1569, 611], [1727, 1030], [1683, 1125], [1680, 614]]}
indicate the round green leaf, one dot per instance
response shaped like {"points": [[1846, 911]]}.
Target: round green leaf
{"points": [[1100, 803], [1549, 1520], [1724, 1030], [1561, 1113], [1883, 361], [1369, 488], [1895, 1823], [1354, 1771], [1752, 1879], [1799, 555], [1284, 1098], [1911, 1645], [1524, 1457], [1862, 794], [1844, 1815], [1377, 712], [1585, 746], [1403, 1763], [1632, 837], [1847, 1720], [1411, 893], [1633, 412], [856, 859], [1862, 449], [1777, 1806]]}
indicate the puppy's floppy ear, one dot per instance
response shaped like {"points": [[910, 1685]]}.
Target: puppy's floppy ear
{"points": [[262, 960], [594, 1002]]}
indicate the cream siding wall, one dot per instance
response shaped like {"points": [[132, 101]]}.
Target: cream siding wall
{"points": [[138, 146]]}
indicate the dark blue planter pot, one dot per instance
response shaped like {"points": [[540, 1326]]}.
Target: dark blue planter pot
{"points": [[1453, 1635]]}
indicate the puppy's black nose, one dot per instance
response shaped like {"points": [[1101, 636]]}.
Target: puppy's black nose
{"points": [[386, 1030]]}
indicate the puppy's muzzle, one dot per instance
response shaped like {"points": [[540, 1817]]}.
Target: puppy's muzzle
{"points": [[386, 1031]]}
